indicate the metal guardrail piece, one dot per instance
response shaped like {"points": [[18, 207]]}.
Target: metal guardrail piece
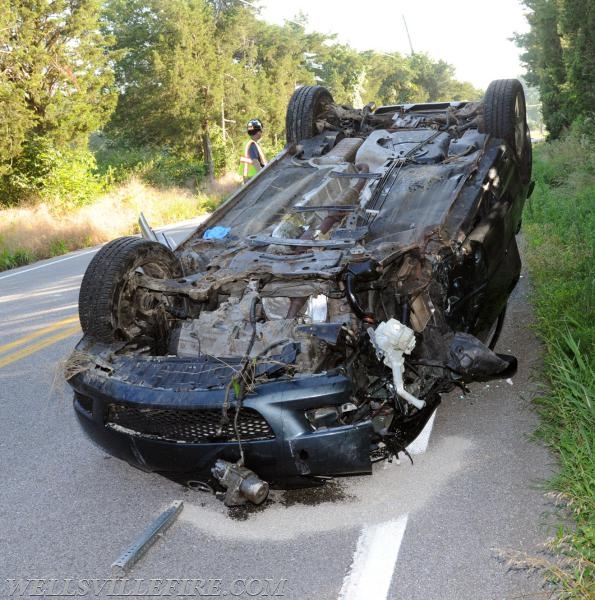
{"points": [[148, 537]]}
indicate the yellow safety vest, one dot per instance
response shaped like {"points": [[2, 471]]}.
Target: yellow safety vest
{"points": [[247, 168]]}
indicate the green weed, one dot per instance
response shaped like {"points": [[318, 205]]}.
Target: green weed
{"points": [[15, 258], [559, 227]]}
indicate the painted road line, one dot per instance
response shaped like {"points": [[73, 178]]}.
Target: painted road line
{"points": [[27, 351], [420, 444], [371, 571], [48, 264], [38, 333]]}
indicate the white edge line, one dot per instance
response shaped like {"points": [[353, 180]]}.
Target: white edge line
{"points": [[374, 560], [48, 264], [420, 444]]}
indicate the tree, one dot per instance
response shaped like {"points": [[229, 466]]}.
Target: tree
{"points": [[577, 24], [342, 72], [166, 71], [388, 78], [55, 77], [544, 61]]}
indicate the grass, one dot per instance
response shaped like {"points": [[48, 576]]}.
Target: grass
{"points": [[41, 230], [559, 225]]}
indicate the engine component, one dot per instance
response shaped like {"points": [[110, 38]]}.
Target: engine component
{"points": [[241, 483], [392, 339]]}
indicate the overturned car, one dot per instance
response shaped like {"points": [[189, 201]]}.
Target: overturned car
{"points": [[309, 326]]}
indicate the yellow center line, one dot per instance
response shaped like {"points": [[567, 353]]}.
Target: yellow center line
{"points": [[38, 346], [38, 333]]}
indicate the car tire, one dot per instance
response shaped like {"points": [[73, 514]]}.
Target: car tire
{"points": [[305, 107], [106, 298], [505, 113]]}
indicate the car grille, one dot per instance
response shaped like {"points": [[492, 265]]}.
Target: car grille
{"points": [[192, 426]]}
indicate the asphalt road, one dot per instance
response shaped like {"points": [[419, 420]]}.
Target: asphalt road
{"points": [[428, 531]]}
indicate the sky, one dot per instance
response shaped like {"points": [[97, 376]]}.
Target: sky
{"points": [[471, 35]]}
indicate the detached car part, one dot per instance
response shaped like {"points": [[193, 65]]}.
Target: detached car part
{"points": [[242, 485], [309, 326]]}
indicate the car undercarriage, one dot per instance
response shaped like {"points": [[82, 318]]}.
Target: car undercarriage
{"points": [[308, 327]]}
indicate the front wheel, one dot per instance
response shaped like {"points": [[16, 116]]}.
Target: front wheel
{"points": [[112, 307]]}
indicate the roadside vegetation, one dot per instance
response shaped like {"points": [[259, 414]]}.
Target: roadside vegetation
{"points": [[43, 229], [559, 226]]}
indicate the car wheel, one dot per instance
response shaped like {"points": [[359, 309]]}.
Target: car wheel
{"points": [[111, 306], [306, 106], [505, 113]]}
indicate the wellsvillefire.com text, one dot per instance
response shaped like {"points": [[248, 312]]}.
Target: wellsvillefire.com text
{"points": [[123, 587]]}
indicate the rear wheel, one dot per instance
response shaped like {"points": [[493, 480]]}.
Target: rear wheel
{"points": [[112, 306], [305, 108], [505, 117], [505, 113]]}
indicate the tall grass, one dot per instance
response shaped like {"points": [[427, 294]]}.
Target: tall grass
{"points": [[560, 230], [43, 230]]}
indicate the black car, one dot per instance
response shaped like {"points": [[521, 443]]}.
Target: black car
{"points": [[309, 326]]}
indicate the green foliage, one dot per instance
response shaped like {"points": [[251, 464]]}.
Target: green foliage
{"points": [[58, 247], [16, 258], [560, 59], [65, 178], [56, 86], [186, 74], [168, 71], [577, 24], [57, 64], [158, 167], [71, 180], [559, 225], [168, 170]]}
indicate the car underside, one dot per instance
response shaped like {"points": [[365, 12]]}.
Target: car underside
{"points": [[308, 327]]}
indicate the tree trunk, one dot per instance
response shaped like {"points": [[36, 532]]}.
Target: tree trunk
{"points": [[208, 155]]}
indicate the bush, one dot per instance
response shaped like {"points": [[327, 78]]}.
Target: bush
{"points": [[63, 177], [162, 168]]}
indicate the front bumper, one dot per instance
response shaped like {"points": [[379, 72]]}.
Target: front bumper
{"points": [[159, 424]]}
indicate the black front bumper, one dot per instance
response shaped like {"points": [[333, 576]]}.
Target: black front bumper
{"points": [[167, 424]]}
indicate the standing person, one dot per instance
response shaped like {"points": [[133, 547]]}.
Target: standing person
{"points": [[253, 159]]}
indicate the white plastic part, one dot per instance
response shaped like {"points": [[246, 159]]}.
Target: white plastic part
{"points": [[392, 339]]}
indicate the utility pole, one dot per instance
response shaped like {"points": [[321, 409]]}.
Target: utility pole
{"points": [[408, 36]]}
